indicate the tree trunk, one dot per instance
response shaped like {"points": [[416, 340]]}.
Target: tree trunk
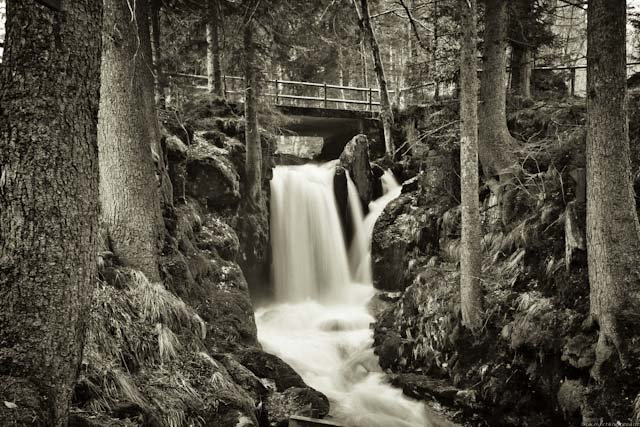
{"points": [[434, 59], [159, 78], [341, 71], [386, 114], [495, 143], [364, 70], [130, 205], [521, 70], [147, 77], [470, 255], [214, 70], [49, 91], [253, 164], [613, 232]]}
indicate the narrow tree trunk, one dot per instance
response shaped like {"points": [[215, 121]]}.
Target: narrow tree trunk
{"points": [[159, 78], [434, 59], [253, 164], [214, 69], [495, 143], [365, 71], [49, 90], [613, 232], [341, 69], [470, 255], [521, 70], [128, 186], [145, 68], [386, 114]]}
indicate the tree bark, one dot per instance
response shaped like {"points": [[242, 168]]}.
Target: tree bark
{"points": [[521, 70], [495, 142], [613, 232], [215, 82], [253, 163], [49, 91], [130, 205], [470, 255], [386, 114]]}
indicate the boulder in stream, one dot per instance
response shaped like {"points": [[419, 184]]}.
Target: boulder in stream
{"points": [[295, 401], [355, 160], [270, 367]]}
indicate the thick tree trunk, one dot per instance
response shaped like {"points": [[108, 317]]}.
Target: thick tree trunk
{"points": [[470, 255], [130, 205], [495, 142], [49, 91], [386, 114], [159, 78], [613, 232], [253, 164], [521, 70], [214, 69]]}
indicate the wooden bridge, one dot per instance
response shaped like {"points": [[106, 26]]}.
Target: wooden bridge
{"points": [[289, 93]]}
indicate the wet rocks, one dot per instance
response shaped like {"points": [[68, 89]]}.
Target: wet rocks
{"points": [[295, 401], [265, 365], [355, 160], [395, 235], [423, 387]]}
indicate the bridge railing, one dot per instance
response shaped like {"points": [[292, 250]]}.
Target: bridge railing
{"points": [[291, 93]]}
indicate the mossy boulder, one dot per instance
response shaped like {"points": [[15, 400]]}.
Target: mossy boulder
{"points": [[211, 176]]}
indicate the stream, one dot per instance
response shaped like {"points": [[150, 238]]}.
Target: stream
{"points": [[320, 322]]}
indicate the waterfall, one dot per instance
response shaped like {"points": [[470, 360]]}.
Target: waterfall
{"points": [[360, 246], [309, 257], [319, 323]]}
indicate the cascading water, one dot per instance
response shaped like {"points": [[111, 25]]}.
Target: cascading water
{"points": [[320, 324]]}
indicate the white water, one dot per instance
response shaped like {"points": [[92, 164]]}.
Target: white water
{"points": [[320, 324]]}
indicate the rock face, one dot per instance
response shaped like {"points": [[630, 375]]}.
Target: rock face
{"points": [[409, 229], [210, 176], [394, 237], [355, 160]]}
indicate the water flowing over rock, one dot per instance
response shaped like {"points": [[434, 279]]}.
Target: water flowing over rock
{"points": [[309, 257], [320, 324]]}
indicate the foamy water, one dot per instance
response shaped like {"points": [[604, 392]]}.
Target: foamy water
{"points": [[321, 325]]}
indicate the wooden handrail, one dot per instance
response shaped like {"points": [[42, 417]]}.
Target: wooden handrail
{"points": [[370, 93]]}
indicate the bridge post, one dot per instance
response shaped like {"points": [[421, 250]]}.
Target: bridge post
{"points": [[277, 92], [325, 95], [573, 81], [224, 85], [370, 100]]}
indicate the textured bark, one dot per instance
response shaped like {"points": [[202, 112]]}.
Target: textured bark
{"points": [[521, 70], [253, 163], [130, 205], [613, 233], [470, 255], [495, 143], [49, 90], [386, 114], [215, 82]]}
